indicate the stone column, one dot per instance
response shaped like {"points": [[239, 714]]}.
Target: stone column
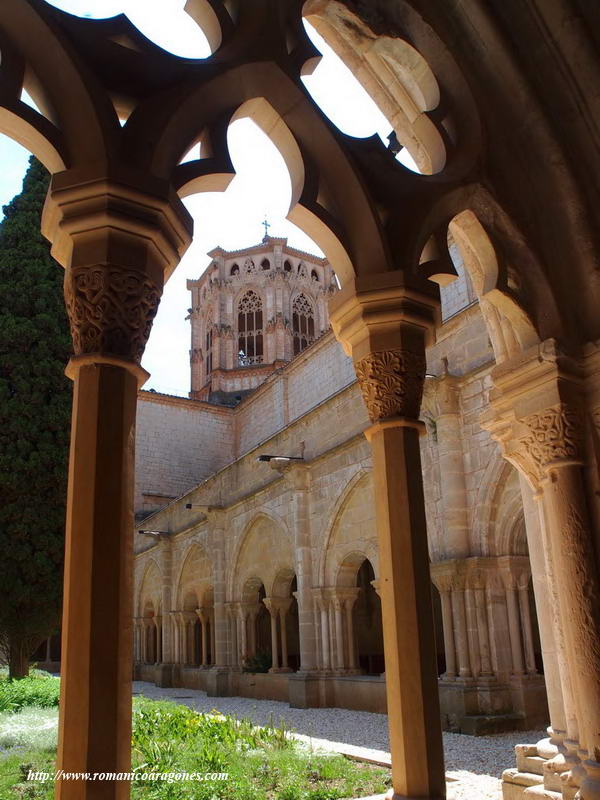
{"points": [[514, 626], [117, 243], [158, 628], [283, 610], [522, 578], [452, 468], [476, 581], [217, 522], [165, 559], [443, 583], [384, 327], [536, 415], [350, 597], [297, 477], [457, 595], [212, 637], [203, 617], [322, 606], [243, 628], [272, 607], [233, 650], [338, 607]]}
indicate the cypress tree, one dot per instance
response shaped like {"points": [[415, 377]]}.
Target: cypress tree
{"points": [[35, 405]]}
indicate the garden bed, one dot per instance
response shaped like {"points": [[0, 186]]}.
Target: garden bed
{"points": [[261, 763]]}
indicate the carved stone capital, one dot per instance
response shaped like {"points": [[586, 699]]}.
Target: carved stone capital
{"points": [[111, 310], [554, 435], [391, 382]]}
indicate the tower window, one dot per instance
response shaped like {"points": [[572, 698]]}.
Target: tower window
{"points": [[265, 263], [250, 329], [235, 270], [314, 275], [303, 323], [209, 344], [287, 266]]}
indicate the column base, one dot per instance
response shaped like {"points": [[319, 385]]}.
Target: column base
{"points": [[304, 690], [164, 675], [280, 669], [218, 682]]}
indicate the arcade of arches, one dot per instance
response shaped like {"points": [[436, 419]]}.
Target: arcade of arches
{"points": [[496, 103], [320, 641]]}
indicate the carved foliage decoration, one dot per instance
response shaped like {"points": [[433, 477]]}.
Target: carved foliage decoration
{"points": [[555, 434], [391, 382], [110, 310]]}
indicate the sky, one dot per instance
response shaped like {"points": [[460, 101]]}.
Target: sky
{"points": [[231, 219]]}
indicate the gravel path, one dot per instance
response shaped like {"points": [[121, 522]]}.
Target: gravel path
{"points": [[474, 764]]}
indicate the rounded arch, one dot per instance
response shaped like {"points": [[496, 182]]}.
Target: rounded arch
{"points": [[351, 529], [195, 577], [264, 551], [499, 509]]}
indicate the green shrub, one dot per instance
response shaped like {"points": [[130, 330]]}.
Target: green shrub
{"points": [[40, 690], [261, 662]]}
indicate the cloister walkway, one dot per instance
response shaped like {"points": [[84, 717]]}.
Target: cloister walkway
{"points": [[474, 765]]}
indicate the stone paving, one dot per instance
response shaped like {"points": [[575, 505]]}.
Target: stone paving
{"points": [[474, 765]]}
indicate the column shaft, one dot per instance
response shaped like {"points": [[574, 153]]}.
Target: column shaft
{"points": [[98, 589], [410, 660]]}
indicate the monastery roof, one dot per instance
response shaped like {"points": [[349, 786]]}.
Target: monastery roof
{"points": [[268, 241]]}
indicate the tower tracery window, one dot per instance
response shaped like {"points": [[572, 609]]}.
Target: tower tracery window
{"points": [[249, 265], [303, 323], [250, 329], [208, 340]]}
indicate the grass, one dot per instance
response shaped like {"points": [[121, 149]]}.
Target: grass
{"points": [[261, 763], [40, 689]]}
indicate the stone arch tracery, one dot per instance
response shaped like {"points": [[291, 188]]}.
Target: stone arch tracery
{"points": [[250, 328], [303, 323]]}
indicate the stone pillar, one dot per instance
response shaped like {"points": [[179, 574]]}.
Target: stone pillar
{"points": [[457, 595], [444, 584], [322, 606], [217, 521], [536, 415], [232, 617], [525, 616], [117, 243], [165, 560], [384, 327], [451, 464], [283, 610], [297, 477], [158, 628], [273, 608], [203, 617], [338, 607], [514, 625], [350, 597]]}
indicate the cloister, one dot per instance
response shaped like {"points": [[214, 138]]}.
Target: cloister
{"points": [[496, 103]]}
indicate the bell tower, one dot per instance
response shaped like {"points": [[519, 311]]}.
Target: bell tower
{"points": [[254, 310]]}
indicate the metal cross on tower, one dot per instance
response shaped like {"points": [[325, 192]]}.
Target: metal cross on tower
{"points": [[267, 225]]}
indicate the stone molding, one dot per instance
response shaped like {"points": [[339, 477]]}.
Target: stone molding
{"points": [[391, 382]]}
